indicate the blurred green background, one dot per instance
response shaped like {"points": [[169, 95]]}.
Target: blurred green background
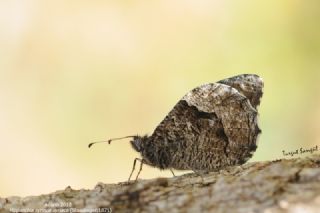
{"points": [[72, 72]]}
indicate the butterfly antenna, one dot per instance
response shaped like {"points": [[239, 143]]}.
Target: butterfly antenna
{"points": [[109, 141]]}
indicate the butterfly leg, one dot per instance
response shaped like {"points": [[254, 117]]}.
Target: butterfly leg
{"points": [[172, 173], [142, 161], [195, 171], [134, 166], [199, 174]]}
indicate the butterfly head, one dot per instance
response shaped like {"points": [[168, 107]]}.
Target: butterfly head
{"points": [[138, 142]]}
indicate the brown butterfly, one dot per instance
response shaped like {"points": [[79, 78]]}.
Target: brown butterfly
{"points": [[213, 126]]}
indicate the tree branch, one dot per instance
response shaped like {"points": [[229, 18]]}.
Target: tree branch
{"points": [[285, 185]]}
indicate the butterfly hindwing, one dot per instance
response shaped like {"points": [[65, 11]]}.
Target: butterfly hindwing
{"points": [[212, 126]]}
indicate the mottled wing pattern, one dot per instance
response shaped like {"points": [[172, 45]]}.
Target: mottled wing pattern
{"points": [[248, 85], [212, 126]]}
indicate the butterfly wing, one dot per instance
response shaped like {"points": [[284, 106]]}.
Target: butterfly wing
{"points": [[212, 126]]}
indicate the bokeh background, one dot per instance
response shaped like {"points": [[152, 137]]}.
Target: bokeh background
{"points": [[72, 72]]}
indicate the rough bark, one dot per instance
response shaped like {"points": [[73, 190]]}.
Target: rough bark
{"points": [[286, 185]]}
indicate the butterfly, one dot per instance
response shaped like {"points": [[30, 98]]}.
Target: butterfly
{"points": [[213, 126]]}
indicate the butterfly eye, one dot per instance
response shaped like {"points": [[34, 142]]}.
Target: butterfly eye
{"points": [[136, 144]]}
